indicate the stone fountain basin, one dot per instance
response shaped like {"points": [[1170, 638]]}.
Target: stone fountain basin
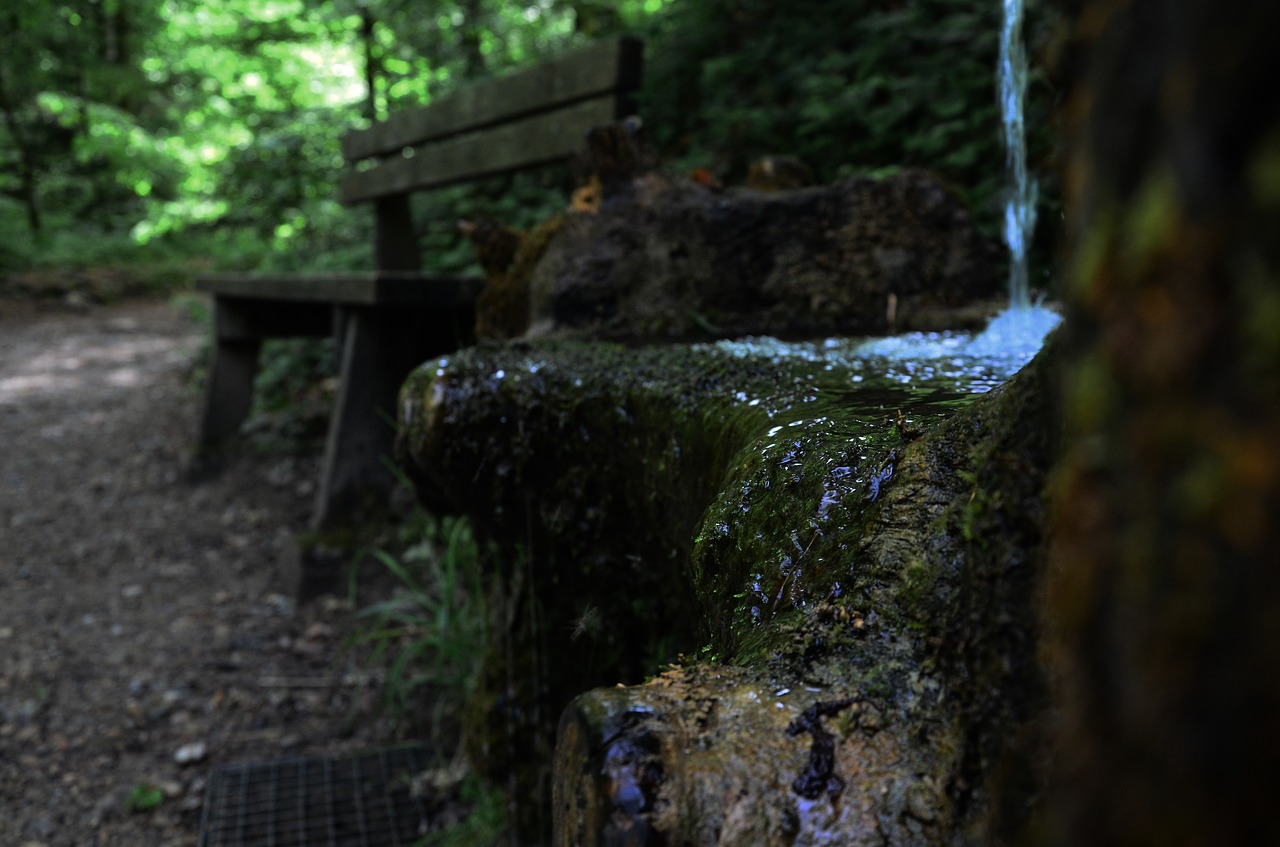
{"points": [[812, 578]]}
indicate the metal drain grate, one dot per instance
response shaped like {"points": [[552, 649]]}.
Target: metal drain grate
{"points": [[359, 801]]}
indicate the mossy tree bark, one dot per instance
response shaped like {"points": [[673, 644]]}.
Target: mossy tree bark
{"points": [[1164, 600]]}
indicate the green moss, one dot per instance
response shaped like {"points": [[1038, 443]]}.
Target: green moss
{"points": [[973, 512], [1091, 392], [1258, 305], [1085, 276], [1263, 171], [1151, 219], [752, 464], [777, 536], [917, 579], [745, 497]]}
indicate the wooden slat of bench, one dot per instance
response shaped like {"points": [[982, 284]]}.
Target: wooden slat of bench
{"points": [[244, 319], [607, 66], [533, 141], [373, 288]]}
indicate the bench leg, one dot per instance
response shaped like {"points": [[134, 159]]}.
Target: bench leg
{"points": [[375, 361], [230, 391]]}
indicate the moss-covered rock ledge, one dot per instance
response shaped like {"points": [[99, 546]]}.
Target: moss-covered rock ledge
{"points": [[849, 557]]}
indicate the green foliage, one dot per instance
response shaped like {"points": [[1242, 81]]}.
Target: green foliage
{"points": [[289, 366], [431, 633], [195, 307], [70, 97], [210, 127], [293, 394], [144, 797], [846, 86], [259, 93]]}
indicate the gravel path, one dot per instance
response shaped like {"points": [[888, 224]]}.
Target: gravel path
{"points": [[141, 615]]}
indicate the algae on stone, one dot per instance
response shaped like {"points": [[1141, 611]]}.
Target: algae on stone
{"points": [[907, 710], [657, 500]]}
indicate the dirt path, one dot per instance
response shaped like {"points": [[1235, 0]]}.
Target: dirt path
{"points": [[141, 615]]}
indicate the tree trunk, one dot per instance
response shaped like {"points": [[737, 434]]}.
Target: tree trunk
{"points": [[26, 159], [473, 64], [1165, 596], [370, 64]]}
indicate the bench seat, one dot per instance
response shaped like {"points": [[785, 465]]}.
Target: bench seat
{"points": [[355, 288], [385, 323]]}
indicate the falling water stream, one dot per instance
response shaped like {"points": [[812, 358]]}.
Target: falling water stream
{"points": [[919, 376], [834, 419], [1020, 206], [1018, 332], [1022, 324]]}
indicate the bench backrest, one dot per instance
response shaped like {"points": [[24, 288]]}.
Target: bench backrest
{"points": [[529, 118]]}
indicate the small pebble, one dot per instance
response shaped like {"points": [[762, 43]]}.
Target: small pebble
{"points": [[280, 603], [191, 753]]}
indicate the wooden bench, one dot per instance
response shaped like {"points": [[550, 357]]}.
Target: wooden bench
{"points": [[391, 319]]}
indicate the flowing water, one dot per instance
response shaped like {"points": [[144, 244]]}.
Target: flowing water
{"points": [[829, 432], [823, 445], [1020, 207], [1017, 333], [1023, 326]]}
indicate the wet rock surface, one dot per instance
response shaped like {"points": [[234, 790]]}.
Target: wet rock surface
{"points": [[874, 565], [146, 627]]}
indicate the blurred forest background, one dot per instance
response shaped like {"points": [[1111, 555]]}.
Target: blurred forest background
{"points": [[171, 137]]}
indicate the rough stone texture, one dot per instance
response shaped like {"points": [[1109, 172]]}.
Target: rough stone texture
{"points": [[666, 258], [921, 677], [706, 755], [905, 592]]}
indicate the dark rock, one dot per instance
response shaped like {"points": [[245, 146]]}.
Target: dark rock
{"points": [[666, 258], [779, 173]]}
